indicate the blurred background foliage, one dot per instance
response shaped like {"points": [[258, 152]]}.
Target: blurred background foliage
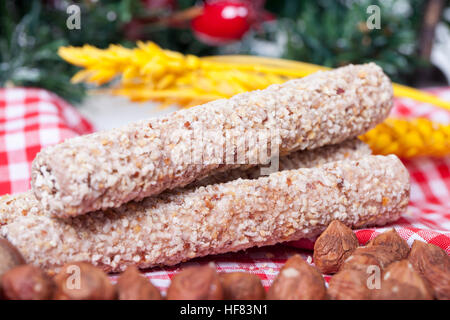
{"points": [[324, 32]]}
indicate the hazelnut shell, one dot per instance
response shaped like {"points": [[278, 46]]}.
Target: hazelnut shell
{"points": [[10, 257], [83, 281], [401, 282], [349, 284], [196, 283], [333, 247], [392, 240], [27, 282], [433, 264], [131, 285], [242, 286], [364, 257], [297, 280]]}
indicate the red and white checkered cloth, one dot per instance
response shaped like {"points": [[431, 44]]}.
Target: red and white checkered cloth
{"points": [[33, 118]]}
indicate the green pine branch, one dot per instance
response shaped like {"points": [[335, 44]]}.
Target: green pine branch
{"points": [[31, 33]]}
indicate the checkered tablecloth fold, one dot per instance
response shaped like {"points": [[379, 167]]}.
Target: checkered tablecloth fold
{"points": [[31, 119]]}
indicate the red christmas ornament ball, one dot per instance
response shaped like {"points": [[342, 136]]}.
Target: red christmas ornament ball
{"points": [[222, 22]]}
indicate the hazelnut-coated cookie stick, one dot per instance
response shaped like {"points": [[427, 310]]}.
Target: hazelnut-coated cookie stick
{"points": [[352, 149], [178, 226], [106, 169]]}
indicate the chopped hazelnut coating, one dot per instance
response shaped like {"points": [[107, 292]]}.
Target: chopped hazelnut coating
{"points": [[351, 149], [178, 226], [107, 169]]}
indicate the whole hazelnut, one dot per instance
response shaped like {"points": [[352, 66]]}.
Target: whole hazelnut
{"points": [[27, 282], [83, 281], [401, 282], [10, 257], [297, 280], [394, 290], [242, 286], [349, 284], [433, 264], [131, 285], [360, 261], [196, 283], [363, 257], [392, 240], [333, 247]]}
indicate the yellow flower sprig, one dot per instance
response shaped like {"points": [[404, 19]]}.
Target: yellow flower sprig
{"points": [[409, 138], [151, 73], [148, 72]]}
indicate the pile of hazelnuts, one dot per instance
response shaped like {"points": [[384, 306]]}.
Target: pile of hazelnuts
{"points": [[386, 268]]}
